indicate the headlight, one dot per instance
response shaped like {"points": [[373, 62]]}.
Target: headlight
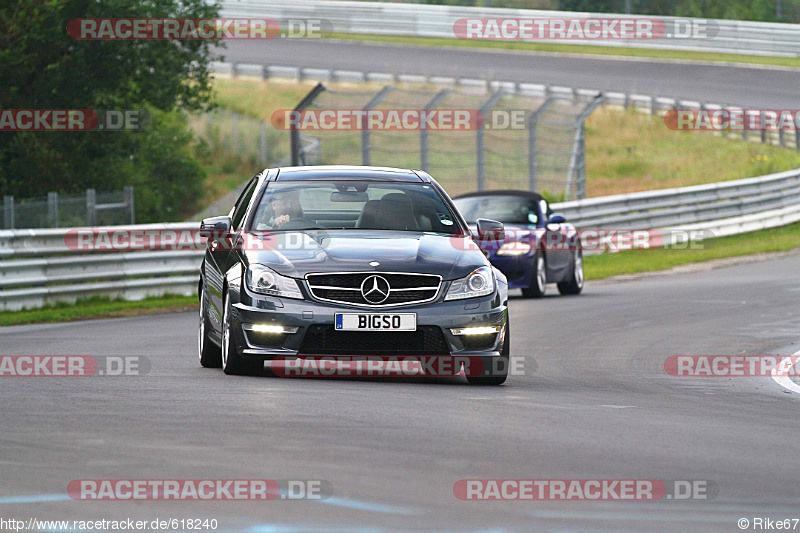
{"points": [[479, 283], [264, 280], [514, 248]]}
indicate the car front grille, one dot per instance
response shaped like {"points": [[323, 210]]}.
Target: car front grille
{"points": [[346, 288], [325, 340]]}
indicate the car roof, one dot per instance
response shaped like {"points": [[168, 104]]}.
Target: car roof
{"points": [[347, 172], [504, 192]]}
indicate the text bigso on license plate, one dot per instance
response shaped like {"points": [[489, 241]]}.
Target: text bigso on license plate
{"points": [[376, 322]]}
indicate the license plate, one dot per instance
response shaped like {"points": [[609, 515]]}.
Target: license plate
{"points": [[376, 322]]}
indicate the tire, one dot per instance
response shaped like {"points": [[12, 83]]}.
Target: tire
{"points": [[539, 282], [492, 376], [233, 363], [210, 353], [574, 285]]}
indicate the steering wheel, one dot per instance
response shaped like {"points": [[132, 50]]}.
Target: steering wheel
{"points": [[298, 223]]}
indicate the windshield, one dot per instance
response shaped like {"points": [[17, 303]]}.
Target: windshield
{"points": [[506, 209], [349, 204]]}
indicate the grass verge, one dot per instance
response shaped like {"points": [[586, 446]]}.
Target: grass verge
{"points": [[780, 239], [792, 62], [631, 151], [97, 307]]}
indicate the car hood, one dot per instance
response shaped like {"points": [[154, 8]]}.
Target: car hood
{"points": [[296, 254]]}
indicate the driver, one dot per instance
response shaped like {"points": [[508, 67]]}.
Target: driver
{"points": [[286, 207]]}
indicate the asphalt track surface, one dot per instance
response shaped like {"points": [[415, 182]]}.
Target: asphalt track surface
{"points": [[753, 87], [594, 403]]}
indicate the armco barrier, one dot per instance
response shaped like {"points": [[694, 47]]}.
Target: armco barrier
{"points": [[686, 205], [38, 267], [420, 20]]}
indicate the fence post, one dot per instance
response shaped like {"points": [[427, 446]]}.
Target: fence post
{"points": [[127, 194], [8, 212], [294, 133], [52, 209], [577, 163], [533, 154], [208, 130], [264, 143], [653, 106], [761, 125], [581, 183], [235, 136], [91, 211], [365, 145], [480, 137], [423, 131], [745, 129]]}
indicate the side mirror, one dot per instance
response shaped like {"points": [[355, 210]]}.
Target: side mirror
{"points": [[490, 230], [555, 221], [216, 227]]}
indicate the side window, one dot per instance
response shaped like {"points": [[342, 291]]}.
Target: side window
{"points": [[241, 204]]}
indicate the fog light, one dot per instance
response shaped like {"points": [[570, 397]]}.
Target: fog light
{"points": [[269, 328], [482, 330]]}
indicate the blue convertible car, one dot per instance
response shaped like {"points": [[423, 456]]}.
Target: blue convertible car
{"points": [[539, 246]]}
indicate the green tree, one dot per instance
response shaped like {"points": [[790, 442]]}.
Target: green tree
{"points": [[42, 67]]}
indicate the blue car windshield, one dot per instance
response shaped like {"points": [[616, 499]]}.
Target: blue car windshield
{"points": [[349, 204], [506, 209]]}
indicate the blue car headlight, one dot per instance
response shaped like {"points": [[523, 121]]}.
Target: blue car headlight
{"points": [[480, 282], [263, 280], [514, 248]]}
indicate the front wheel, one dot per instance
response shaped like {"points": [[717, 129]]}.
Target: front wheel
{"points": [[232, 361], [495, 369], [210, 353], [574, 285], [539, 282]]}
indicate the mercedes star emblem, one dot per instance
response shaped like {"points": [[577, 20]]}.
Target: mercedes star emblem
{"points": [[375, 289]]}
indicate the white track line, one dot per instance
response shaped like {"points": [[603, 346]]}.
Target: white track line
{"points": [[783, 380]]}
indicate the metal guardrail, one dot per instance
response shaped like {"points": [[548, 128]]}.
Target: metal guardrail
{"points": [[686, 205], [725, 36], [40, 267]]}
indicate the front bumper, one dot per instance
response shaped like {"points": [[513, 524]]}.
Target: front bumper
{"points": [[309, 317]]}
